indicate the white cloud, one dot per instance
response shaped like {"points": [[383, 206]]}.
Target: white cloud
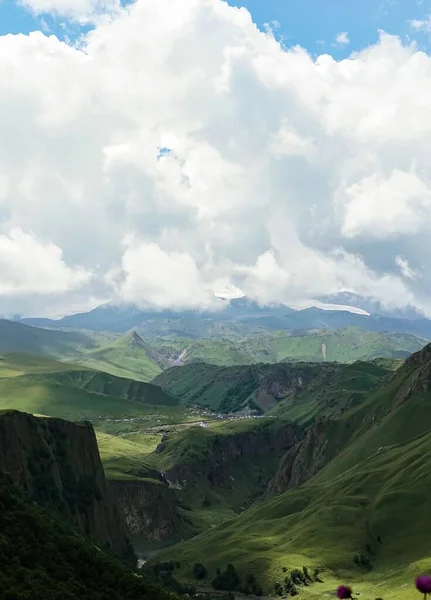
{"points": [[153, 277], [378, 206], [342, 38], [287, 177], [30, 266]]}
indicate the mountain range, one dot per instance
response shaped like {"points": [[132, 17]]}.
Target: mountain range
{"points": [[239, 315], [143, 358]]}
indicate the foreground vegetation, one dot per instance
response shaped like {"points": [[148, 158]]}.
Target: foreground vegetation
{"points": [[41, 558]]}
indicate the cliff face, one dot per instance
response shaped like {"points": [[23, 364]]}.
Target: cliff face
{"points": [[147, 507], [302, 461], [286, 381], [57, 462], [417, 373], [213, 464]]}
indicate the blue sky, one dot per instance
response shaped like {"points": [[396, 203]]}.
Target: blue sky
{"points": [[313, 24]]}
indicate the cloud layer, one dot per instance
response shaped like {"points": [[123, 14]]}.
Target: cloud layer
{"points": [[179, 150]]}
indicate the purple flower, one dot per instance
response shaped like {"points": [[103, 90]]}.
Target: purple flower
{"points": [[423, 584], [344, 592]]}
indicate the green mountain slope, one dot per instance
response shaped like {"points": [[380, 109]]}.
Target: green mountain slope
{"points": [[369, 499], [379, 509], [41, 386], [16, 337], [263, 387], [344, 345], [14, 364], [127, 356]]}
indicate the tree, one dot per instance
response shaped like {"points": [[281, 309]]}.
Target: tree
{"points": [[199, 571], [228, 580]]}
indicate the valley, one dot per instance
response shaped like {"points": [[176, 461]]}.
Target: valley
{"points": [[257, 450], [215, 300]]}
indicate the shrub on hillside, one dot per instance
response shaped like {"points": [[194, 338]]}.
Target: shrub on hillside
{"points": [[199, 571], [251, 586], [227, 580]]}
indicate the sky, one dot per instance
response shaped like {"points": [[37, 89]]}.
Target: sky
{"points": [[158, 151]]}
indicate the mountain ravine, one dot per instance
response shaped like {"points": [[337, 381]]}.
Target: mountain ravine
{"points": [[58, 464], [148, 508], [226, 467]]}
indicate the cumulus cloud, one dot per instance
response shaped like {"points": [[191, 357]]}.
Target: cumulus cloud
{"points": [[382, 206], [30, 266], [180, 150], [161, 278]]}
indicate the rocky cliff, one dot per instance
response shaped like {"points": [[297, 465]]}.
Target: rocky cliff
{"points": [[148, 507], [58, 464], [303, 460], [415, 375], [216, 453]]}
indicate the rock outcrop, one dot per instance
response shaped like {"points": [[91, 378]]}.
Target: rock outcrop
{"points": [[148, 508], [302, 461], [58, 464]]}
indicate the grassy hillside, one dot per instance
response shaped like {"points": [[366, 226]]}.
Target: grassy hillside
{"points": [[40, 385], [51, 399], [127, 457], [16, 337], [41, 558], [127, 356], [324, 525], [345, 345], [14, 364], [263, 387], [370, 501], [335, 389]]}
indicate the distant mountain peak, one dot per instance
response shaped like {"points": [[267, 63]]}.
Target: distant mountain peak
{"points": [[133, 340]]}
